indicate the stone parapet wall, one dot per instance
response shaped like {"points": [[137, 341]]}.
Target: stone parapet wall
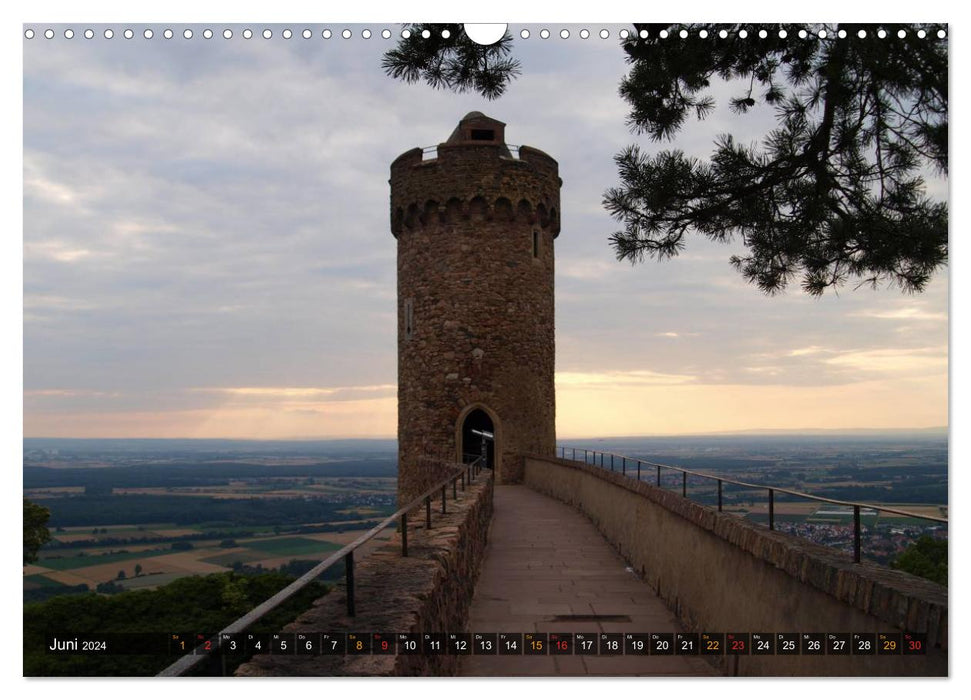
{"points": [[430, 590], [720, 573]]}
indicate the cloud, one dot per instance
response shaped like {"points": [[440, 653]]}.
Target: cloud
{"points": [[894, 361], [619, 379], [906, 313], [206, 230]]}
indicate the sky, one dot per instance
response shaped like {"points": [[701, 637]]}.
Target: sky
{"points": [[206, 253]]}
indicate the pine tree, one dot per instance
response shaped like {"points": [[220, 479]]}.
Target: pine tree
{"points": [[453, 62], [835, 192]]}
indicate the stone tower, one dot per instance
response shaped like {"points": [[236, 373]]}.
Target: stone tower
{"points": [[475, 226]]}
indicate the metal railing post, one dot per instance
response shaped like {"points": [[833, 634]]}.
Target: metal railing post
{"points": [[428, 512], [611, 461], [623, 466], [684, 484], [659, 476], [574, 454], [719, 495], [349, 579], [638, 470], [771, 509], [584, 456], [404, 534], [856, 534]]}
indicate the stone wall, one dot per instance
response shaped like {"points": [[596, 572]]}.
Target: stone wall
{"points": [[720, 573], [430, 590], [475, 304]]}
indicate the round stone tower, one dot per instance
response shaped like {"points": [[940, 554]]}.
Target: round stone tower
{"points": [[475, 225]]}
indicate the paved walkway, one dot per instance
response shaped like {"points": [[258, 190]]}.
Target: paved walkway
{"points": [[544, 559]]}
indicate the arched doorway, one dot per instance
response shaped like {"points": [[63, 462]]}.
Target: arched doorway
{"points": [[479, 438]]}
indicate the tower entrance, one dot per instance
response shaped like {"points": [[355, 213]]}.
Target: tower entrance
{"points": [[479, 438]]}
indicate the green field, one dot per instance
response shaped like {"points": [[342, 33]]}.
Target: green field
{"points": [[77, 562], [40, 581], [291, 546], [229, 558]]}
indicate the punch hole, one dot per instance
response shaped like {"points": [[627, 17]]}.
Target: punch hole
{"points": [[783, 33], [29, 34], [544, 34], [207, 34], [327, 34], [624, 34], [227, 34], [366, 33], [109, 33], [584, 34], [486, 34], [247, 33], [306, 34], [168, 34], [663, 34], [643, 34], [346, 34], [187, 34], [763, 34], [148, 34], [941, 34], [564, 33], [604, 34], [841, 33], [703, 33], [405, 33], [743, 34], [524, 34], [267, 34], [129, 34], [287, 34], [861, 34], [921, 33], [683, 33], [68, 33], [803, 33], [882, 34], [386, 34], [723, 34], [445, 34]]}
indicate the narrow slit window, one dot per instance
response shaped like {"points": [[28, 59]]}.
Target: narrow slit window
{"points": [[535, 244], [409, 319]]}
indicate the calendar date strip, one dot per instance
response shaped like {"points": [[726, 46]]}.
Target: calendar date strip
{"points": [[496, 643]]}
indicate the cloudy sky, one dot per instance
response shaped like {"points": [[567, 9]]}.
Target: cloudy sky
{"points": [[207, 253]]}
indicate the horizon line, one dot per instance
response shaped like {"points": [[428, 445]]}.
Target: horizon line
{"points": [[749, 431]]}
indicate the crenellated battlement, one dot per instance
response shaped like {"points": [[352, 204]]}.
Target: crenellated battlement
{"points": [[432, 212]]}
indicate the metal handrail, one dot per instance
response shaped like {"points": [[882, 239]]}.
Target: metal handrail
{"points": [[772, 490], [466, 472], [431, 152]]}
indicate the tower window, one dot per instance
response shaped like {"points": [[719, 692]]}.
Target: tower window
{"points": [[409, 319], [483, 135], [535, 244]]}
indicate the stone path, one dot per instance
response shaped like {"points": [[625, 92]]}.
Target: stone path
{"points": [[546, 559]]}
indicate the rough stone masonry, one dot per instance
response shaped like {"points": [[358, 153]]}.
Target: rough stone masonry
{"points": [[475, 227]]}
